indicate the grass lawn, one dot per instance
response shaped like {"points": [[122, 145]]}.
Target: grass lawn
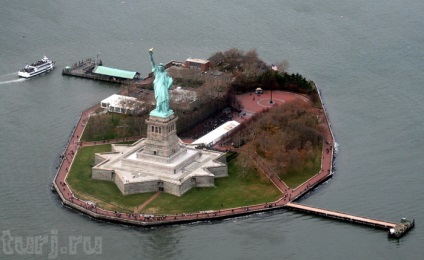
{"points": [[232, 191], [112, 126], [104, 193], [295, 177]]}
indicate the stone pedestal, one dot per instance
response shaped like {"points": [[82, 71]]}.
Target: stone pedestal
{"points": [[162, 139]]}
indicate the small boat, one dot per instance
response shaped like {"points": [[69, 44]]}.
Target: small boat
{"points": [[36, 68], [401, 228]]}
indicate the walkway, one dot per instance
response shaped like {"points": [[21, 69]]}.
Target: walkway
{"points": [[147, 202], [342, 216]]}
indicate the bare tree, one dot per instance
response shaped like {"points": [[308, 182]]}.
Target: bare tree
{"points": [[245, 163]]}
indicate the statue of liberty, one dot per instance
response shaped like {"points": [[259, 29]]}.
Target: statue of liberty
{"points": [[162, 84]]}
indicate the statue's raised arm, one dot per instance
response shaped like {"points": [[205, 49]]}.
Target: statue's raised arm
{"points": [[152, 61]]}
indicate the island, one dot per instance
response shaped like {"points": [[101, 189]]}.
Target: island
{"points": [[251, 138]]}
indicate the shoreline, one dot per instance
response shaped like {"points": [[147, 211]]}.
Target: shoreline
{"points": [[68, 199]]}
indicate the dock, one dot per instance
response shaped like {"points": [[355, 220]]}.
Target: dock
{"points": [[86, 69], [394, 229]]}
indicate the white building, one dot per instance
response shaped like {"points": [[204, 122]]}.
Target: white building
{"points": [[218, 134], [121, 104]]}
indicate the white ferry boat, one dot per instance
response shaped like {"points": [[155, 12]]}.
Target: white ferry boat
{"points": [[36, 68]]}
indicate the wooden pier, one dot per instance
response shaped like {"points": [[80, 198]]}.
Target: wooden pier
{"points": [[395, 228], [341, 216]]}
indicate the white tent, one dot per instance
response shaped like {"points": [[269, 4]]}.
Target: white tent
{"points": [[120, 104], [218, 134]]}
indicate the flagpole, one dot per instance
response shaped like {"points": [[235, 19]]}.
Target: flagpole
{"points": [[271, 102], [274, 68]]}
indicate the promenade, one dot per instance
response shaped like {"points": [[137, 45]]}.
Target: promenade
{"points": [[250, 107]]}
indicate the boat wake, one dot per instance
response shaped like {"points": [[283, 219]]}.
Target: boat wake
{"points": [[10, 78], [9, 74], [11, 81]]}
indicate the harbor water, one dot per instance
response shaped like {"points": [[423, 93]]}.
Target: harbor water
{"points": [[365, 56]]}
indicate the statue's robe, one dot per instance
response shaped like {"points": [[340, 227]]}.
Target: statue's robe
{"points": [[162, 83]]}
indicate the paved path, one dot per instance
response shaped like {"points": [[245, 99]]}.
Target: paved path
{"points": [[250, 106], [147, 201], [253, 103]]}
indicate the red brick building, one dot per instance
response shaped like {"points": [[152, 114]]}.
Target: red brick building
{"points": [[197, 64]]}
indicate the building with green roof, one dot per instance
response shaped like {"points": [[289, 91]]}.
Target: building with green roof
{"points": [[116, 73]]}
